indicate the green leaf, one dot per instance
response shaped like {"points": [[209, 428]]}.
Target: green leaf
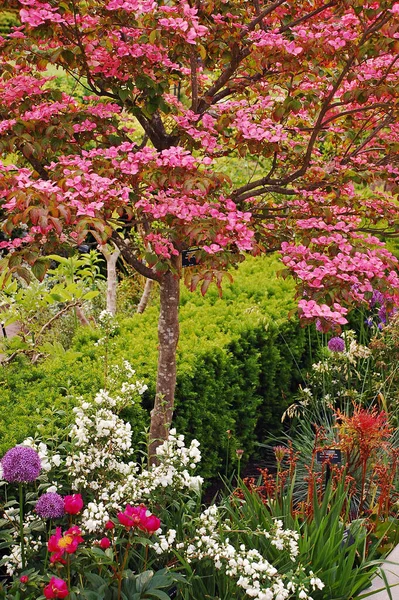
{"points": [[94, 579], [124, 94], [157, 594], [90, 295], [39, 269], [143, 580]]}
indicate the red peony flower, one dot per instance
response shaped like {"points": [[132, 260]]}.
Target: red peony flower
{"points": [[57, 588], [24, 578], [73, 504], [105, 543], [109, 525], [140, 517]]}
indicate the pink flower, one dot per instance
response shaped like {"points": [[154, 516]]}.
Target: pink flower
{"points": [[24, 578], [151, 524], [73, 504], [58, 544], [105, 543], [140, 517], [109, 525], [57, 588]]}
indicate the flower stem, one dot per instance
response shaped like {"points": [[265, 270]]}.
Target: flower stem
{"points": [[21, 524], [69, 571]]}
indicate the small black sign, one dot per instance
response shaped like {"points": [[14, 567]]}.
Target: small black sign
{"points": [[188, 257], [332, 455]]}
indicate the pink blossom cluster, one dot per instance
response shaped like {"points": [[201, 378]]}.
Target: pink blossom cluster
{"points": [[275, 41], [334, 32], [21, 87], [263, 129], [187, 25], [130, 6], [161, 245], [199, 129], [311, 310], [39, 13]]}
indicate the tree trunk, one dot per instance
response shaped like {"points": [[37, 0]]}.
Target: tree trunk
{"points": [[149, 284], [168, 336], [112, 279]]}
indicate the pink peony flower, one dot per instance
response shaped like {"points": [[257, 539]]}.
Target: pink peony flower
{"points": [[73, 504], [140, 517], [59, 544], [57, 588], [109, 525], [24, 578]]}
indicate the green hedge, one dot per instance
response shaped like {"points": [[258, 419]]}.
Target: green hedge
{"points": [[8, 19], [238, 365]]}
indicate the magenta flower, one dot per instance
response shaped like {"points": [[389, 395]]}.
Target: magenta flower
{"points": [[105, 543], [73, 504], [140, 517], [57, 588], [21, 464]]}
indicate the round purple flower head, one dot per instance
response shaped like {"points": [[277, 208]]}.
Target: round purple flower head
{"points": [[50, 506], [21, 465], [336, 344]]}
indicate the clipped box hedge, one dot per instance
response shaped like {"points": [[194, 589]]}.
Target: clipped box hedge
{"points": [[239, 363]]}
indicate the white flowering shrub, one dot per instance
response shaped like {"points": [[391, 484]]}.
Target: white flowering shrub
{"points": [[250, 570]]}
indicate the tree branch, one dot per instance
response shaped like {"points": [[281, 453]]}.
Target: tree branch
{"points": [[194, 80], [132, 260], [387, 121], [261, 16], [308, 16], [56, 316]]}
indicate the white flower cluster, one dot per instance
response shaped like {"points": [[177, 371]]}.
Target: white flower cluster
{"points": [[252, 572], [108, 324], [13, 561], [102, 442], [94, 517], [173, 471], [101, 439], [47, 459]]}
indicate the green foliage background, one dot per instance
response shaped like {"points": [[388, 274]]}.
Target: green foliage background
{"points": [[8, 19], [239, 363]]}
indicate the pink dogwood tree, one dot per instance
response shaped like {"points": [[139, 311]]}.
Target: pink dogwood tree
{"points": [[169, 87]]}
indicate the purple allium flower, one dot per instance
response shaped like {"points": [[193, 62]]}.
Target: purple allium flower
{"points": [[21, 464], [336, 344], [376, 298], [50, 506], [318, 324]]}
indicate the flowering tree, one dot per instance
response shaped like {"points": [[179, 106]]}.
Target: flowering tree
{"points": [[309, 87]]}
